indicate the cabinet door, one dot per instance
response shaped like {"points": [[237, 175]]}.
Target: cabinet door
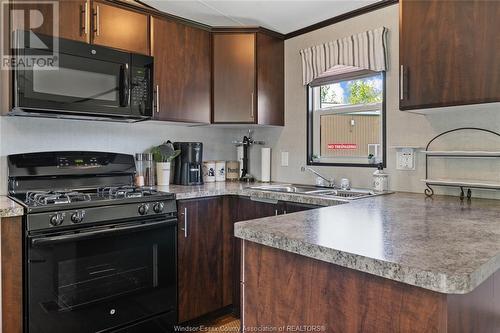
{"points": [[292, 207], [234, 77], [449, 53], [270, 80], [182, 72], [120, 28], [73, 18], [246, 209], [199, 257]]}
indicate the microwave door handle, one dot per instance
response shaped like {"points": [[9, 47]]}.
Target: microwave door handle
{"points": [[45, 241], [124, 85]]}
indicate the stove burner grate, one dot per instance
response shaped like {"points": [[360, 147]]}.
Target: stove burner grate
{"points": [[42, 198], [120, 192]]}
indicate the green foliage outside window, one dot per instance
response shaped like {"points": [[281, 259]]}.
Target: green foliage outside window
{"points": [[362, 92]]}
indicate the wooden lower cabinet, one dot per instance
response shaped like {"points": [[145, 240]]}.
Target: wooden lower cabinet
{"points": [[292, 207], [244, 209], [199, 257], [209, 255], [284, 289]]}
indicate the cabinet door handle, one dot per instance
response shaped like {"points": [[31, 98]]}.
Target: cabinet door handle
{"points": [[401, 83], [185, 222], [84, 29], [97, 26], [252, 115], [157, 98]]}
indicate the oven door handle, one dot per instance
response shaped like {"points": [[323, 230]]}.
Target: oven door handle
{"points": [[43, 241]]}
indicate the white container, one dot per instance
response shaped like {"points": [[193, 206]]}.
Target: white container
{"points": [[265, 167], [220, 171], [163, 173], [209, 171], [380, 180]]}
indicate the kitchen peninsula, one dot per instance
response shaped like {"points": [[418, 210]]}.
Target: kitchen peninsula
{"points": [[394, 263]]}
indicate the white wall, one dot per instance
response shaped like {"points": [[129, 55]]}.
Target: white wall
{"points": [[403, 128]]}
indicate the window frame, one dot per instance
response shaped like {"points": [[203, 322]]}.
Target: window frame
{"points": [[310, 127]]}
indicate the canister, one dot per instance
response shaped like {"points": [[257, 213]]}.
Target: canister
{"points": [[209, 171], [220, 171], [380, 180], [145, 175], [232, 170]]}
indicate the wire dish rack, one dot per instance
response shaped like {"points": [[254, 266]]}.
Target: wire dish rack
{"points": [[465, 186]]}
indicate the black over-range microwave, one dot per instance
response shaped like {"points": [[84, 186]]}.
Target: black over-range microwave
{"points": [[89, 82]]}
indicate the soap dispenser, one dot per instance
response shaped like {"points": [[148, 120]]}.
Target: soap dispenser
{"points": [[380, 179]]}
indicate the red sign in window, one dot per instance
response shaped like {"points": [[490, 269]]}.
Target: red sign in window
{"points": [[340, 146]]}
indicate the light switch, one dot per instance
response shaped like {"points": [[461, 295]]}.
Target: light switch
{"points": [[284, 158]]}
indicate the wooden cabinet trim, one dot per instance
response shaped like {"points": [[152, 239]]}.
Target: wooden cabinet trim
{"points": [[11, 251]]}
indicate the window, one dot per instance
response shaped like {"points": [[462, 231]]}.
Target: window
{"points": [[346, 120]]}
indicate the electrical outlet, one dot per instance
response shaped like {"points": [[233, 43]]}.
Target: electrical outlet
{"points": [[284, 158], [405, 159]]}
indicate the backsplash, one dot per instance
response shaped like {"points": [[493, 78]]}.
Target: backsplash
{"points": [[22, 134]]}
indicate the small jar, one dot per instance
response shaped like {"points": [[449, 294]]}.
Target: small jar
{"points": [[233, 170], [380, 180], [145, 170], [220, 171], [209, 171]]}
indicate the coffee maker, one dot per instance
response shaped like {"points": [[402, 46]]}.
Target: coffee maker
{"points": [[188, 165]]}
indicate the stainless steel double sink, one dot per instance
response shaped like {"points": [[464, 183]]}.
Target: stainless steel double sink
{"points": [[319, 191]]}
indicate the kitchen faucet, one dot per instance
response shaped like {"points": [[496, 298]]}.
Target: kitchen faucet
{"points": [[328, 182]]}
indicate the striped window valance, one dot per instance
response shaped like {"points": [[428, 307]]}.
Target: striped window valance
{"points": [[366, 50]]}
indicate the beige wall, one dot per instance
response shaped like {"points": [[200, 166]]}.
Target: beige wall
{"points": [[403, 128]]}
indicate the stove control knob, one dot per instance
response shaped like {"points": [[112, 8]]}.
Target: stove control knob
{"points": [[158, 207], [77, 216], [143, 209], [56, 219]]}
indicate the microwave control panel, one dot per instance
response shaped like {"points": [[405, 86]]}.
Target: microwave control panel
{"points": [[139, 94]]}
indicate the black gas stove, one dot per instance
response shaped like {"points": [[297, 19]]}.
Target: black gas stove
{"points": [[100, 253]]}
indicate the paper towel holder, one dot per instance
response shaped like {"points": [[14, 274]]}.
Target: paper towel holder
{"points": [[246, 143]]}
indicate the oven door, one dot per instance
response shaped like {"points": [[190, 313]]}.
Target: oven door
{"points": [[101, 279]]}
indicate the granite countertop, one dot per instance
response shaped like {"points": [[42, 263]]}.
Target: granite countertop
{"points": [[10, 208], [435, 243], [236, 188]]}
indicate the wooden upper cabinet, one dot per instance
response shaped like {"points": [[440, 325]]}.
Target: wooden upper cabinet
{"points": [[270, 80], [449, 53], [120, 28], [73, 19], [182, 72], [234, 77], [248, 74]]}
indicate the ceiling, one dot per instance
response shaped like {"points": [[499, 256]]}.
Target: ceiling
{"points": [[278, 15]]}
